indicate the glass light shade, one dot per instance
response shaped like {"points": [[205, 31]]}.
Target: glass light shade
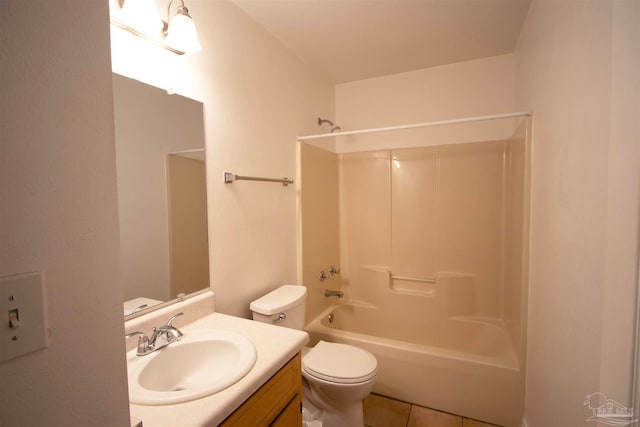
{"points": [[181, 34], [141, 15]]}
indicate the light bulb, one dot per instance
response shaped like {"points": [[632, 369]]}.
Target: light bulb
{"points": [[181, 34]]}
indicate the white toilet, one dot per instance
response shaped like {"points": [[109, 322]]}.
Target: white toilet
{"points": [[337, 377]]}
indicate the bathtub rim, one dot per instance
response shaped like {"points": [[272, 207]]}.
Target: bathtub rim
{"points": [[509, 362]]}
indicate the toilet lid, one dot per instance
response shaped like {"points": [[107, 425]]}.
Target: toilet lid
{"points": [[340, 363]]}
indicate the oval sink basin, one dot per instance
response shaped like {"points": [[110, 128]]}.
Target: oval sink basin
{"points": [[203, 362]]}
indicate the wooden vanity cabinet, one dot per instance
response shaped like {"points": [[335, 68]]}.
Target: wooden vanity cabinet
{"points": [[277, 403]]}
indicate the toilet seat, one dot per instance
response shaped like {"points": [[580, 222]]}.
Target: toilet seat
{"points": [[340, 363]]}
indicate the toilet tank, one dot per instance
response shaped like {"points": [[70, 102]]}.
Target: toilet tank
{"points": [[284, 306]]}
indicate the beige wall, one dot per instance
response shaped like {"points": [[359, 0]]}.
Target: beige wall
{"points": [[622, 198], [59, 211], [258, 98], [320, 247], [470, 88], [577, 68], [466, 89]]}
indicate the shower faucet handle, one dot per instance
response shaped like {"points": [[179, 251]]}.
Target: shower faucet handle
{"points": [[324, 275], [334, 270]]}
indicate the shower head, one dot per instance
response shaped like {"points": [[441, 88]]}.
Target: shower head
{"points": [[321, 121], [334, 128]]}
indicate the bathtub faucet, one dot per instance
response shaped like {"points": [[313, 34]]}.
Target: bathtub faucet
{"points": [[329, 293]]}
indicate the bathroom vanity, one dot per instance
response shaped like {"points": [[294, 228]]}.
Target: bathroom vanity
{"points": [[268, 395], [276, 403]]}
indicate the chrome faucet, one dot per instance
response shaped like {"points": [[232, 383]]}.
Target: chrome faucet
{"points": [[161, 337], [332, 270], [139, 308], [330, 293]]}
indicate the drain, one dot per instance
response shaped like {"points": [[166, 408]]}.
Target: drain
{"points": [[178, 388]]}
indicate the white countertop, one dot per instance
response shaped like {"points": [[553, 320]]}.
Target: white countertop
{"points": [[275, 346]]}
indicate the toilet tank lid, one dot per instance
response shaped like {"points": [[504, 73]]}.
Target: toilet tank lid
{"points": [[279, 300]]}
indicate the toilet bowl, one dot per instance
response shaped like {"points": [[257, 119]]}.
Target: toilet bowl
{"points": [[339, 377], [336, 377]]}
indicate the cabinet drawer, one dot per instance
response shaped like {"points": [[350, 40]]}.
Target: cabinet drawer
{"points": [[291, 415], [269, 401]]}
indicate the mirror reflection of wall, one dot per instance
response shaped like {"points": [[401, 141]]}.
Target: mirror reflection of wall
{"points": [[188, 243], [159, 151]]}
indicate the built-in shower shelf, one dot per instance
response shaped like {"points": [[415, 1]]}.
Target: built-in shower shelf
{"points": [[420, 286]]}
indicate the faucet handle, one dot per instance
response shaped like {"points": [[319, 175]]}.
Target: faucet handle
{"points": [[168, 332], [143, 342], [133, 334], [169, 323]]}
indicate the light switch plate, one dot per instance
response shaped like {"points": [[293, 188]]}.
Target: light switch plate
{"points": [[22, 294]]}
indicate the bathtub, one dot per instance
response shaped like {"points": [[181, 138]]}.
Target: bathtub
{"points": [[461, 365]]}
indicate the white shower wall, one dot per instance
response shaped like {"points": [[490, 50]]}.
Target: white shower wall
{"points": [[422, 212]]}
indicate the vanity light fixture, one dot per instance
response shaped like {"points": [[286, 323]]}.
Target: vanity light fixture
{"points": [[181, 31], [141, 18], [141, 15]]}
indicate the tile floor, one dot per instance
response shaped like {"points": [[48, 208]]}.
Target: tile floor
{"points": [[381, 411]]}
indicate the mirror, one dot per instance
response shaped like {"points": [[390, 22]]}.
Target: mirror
{"points": [[162, 202]]}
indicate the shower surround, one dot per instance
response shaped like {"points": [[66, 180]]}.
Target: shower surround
{"points": [[433, 245]]}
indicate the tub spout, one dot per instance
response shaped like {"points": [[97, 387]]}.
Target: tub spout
{"points": [[329, 293]]}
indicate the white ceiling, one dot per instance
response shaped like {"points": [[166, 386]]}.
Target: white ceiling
{"points": [[349, 40]]}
